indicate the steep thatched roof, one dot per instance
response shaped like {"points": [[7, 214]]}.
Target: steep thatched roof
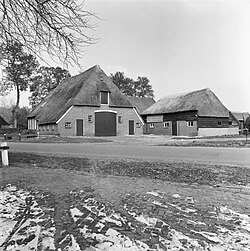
{"points": [[80, 90], [3, 121], [141, 103], [241, 116], [204, 101]]}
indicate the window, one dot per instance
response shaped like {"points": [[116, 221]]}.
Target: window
{"points": [[151, 125], [166, 124], [90, 118], [52, 127], [67, 125], [104, 98], [230, 122], [119, 119], [190, 123], [138, 125], [47, 127], [219, 123]]}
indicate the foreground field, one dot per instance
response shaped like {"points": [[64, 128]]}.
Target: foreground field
{"points": [[59, 203]]}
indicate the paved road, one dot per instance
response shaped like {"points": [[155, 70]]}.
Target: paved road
{"points": [[232, 156]]}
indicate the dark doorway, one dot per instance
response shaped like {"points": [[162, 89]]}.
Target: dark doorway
{"points": [[79, 127], [131, 128], [105, 124], [174, 128]]}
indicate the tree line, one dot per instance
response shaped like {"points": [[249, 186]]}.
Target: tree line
{"points": [[22, 72]]}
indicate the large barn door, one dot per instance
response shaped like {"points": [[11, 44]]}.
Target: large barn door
{"points": [[174, 128], [79, 127], [105, 123]]}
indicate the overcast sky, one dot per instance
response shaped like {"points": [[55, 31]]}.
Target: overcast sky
{"points": [[179, 45]]}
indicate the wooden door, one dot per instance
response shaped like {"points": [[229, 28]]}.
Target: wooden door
{"points": [[79, 127], [105, 124], [174, 128], [131, 128]]}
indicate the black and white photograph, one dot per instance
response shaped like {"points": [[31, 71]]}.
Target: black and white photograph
{"points": [[124, 125]]}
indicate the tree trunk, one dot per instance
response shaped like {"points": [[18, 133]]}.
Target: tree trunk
{"points": [[16, 108]]}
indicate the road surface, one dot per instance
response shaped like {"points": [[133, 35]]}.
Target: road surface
{"points": [[231, 156]]}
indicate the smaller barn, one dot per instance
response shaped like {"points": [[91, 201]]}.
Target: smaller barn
{"points": [[3, 123], [196, 113]]}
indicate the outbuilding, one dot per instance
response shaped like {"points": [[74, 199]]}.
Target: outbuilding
{"points": [[196, 113], [88, 104]]}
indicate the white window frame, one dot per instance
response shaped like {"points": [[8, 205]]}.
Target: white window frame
{"points": [[166, 124], [101, 97], [190, 123], [119, 119], [138, 125], [90, 118], [68, 125]]}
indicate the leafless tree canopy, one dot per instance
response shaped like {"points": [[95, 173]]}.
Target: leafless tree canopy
{"points": [[58, 27]]}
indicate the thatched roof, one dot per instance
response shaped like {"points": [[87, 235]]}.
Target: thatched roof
{"points": [[204, 101], [80, 90], [141, 103], [3, 121], [241, 116]]}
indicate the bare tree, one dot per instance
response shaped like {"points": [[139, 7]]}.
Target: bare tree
{"points": [[57, 27]]}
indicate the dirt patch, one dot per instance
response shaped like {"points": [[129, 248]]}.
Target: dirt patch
{"points": [[68, 203], [181, 172], [83, 220]]}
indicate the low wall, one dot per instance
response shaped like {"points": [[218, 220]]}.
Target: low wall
{"points": [[218, 131]]}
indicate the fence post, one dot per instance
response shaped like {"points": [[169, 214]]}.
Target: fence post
{"points": [[4, 152]]}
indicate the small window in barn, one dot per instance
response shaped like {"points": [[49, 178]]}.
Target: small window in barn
{"points": [[67, 125], [104, 98], [90, 118], [47, 127], [52, 127], [151, 125], [138, 125], [119, 119], [166, 124], [190, 123], [219, 123]]}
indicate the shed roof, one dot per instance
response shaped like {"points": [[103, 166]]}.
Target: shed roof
{"points": [[141, 103], [79, 90], [204, 101]]}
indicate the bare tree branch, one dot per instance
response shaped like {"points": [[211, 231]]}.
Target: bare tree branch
{"points": [[58, 27]]}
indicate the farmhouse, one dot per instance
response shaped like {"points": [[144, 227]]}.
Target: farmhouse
{"points": [[88, 104], [197, 113]]}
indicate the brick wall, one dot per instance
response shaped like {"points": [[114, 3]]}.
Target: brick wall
{"points": [[185, 130], [158, 128], [49, 129], [78, 112]]}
